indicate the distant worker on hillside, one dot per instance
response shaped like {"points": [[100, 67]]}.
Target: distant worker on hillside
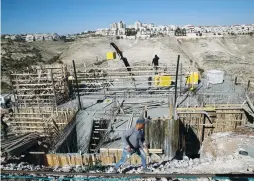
{"points": [[132, 140], [155, 62]]}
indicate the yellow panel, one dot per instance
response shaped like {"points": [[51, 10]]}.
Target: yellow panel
{"points": [[156, 80], [165, 81], [111, 55], [162, 80], [192, 78]]}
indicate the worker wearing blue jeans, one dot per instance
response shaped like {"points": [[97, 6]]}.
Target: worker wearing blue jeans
{"points": [[127, 154], [132, 140]]}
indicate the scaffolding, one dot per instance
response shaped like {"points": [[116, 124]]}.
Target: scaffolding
{"points": [[40, 86]]}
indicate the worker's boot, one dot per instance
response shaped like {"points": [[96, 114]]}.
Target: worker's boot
{"points": [[114, 170]]}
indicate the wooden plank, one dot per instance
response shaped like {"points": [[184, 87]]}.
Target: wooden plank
{"points": [[32, 118], [37, 95], [43, 84], [32, 122], [53, 86], [120, 149]]}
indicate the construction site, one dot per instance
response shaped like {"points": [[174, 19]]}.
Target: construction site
{"points": [[67, 121]]}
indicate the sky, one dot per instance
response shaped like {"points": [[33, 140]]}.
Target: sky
{"points": [[73, 16]]}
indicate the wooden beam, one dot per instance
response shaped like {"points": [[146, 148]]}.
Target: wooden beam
{"points": [[34, 122], [32, 84], [120, 149], [29, 95], [53, 86]]}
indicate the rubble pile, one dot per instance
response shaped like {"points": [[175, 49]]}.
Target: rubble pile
{"points": [[221, 153]]}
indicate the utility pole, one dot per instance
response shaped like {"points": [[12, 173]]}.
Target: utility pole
{"points": [[177, 67], [76, 80]]}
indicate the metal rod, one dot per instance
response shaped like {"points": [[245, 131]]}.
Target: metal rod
{"points": [[132, 67], [181, 78], [14, 93], [117, 77], [177, 67], [53, 87], [203, 128], [248, 85], [76, 79], [144, 175]]}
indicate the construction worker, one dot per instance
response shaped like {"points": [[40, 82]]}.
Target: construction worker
{"points": [[155, 62], [69, 84], [150, 82], [132, 140]]}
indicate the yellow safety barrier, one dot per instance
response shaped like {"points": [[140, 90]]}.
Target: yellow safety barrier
{"points": [[111, 55], [192, 78], [162, 80]]}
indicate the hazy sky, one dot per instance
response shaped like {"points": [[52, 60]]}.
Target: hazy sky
{"points": [[72, 16]]}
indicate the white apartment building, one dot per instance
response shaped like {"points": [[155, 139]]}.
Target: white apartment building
{"points": [[120, 25], [15, 37], [30, 38], [113, 26], [38, 37], [150, 25], [150, 29], [121, 31], [138, 25]]}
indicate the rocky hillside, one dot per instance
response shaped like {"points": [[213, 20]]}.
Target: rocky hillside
{"points": [[234, 54], [16, 56]]}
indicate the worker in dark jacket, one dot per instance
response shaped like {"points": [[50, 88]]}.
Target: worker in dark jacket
{"points": [[156, 62]]}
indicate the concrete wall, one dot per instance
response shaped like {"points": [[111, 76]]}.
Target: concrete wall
{"points": [[67, 142]]}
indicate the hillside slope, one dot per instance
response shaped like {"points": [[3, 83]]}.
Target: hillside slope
{"points": [[235, 55], [136, 51]]}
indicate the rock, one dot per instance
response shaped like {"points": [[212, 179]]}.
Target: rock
{"points": [[164, 179], [174, 164], [230, 157], [242, 152], [66, 168], [184, 165], [185, 158], [78, 168], [202, 179], [167, 165], [110, 170]]}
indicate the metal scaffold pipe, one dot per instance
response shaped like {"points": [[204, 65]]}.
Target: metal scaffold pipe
{"points": [[177, 67], [76, 80]]}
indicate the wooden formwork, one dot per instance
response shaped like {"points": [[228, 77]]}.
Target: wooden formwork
{"points": [[40, 86], [106, 157], [44, 120], [207, 121], [228, 120]]}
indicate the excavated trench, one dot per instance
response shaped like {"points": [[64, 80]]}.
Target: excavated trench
{"points": [[185, 139]]}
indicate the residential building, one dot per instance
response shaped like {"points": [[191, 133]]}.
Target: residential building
{"points": [[30, 38], [38, 37], [55, 36], [15, 37], [120, 25], [113, 26], [138, 25]]}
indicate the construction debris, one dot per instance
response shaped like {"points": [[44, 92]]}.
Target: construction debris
{"points": [[15, 145]]}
